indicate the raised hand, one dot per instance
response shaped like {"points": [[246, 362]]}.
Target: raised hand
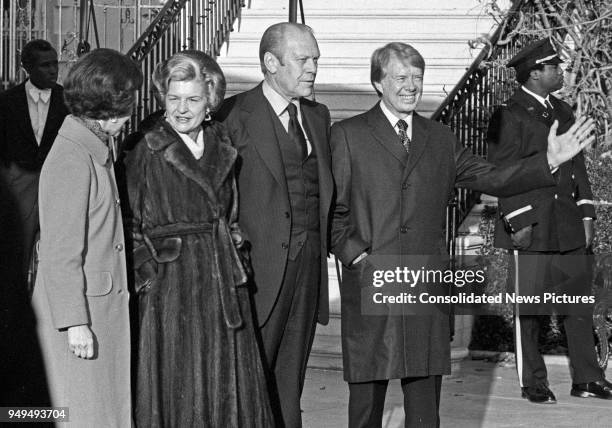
{"points": [[562, 148]]}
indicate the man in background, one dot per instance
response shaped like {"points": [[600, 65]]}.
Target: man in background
{"points": [[30, 116], [547, 230]]}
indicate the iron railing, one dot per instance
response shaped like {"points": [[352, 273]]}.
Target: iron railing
{"points": [[20, 22], [468, 107], [181, 24]]}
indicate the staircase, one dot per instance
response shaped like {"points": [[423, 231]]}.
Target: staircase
{"points": [[348, 31]]}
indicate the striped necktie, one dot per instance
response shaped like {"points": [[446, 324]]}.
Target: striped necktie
{"points": [[403, 134]]}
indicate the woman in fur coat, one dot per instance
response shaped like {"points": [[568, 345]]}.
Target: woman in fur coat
{"points": [[198, 360]]}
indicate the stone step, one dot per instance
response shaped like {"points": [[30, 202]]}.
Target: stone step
{"points": [[361, 45], [406, 21], [375, 5], [240, 71]]}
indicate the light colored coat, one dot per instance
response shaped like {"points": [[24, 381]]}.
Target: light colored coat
{"points": [[82, 280]]}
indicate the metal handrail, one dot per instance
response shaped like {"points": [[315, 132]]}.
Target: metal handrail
{"points": [[180, 24], [293, 8], [470, 104]]}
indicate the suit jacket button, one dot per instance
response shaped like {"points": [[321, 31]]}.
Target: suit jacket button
{"points": [[119, 247], [284, 245], [404, 229], [286, 214], [556, 196], [405, 186]]}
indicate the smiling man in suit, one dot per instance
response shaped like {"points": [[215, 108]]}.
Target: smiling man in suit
{"points": [[547, 230], [395, 172], [285, 189], [30, 116]]}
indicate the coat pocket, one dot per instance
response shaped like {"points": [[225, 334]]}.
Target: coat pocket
{"points": [[98, 284]]}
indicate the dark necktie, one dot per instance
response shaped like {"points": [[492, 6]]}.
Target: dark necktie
{"points": [[404, 138], [550, 112], [295, 131]]}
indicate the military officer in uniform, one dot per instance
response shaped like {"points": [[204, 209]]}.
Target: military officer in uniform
{"points": [[546, 230]]}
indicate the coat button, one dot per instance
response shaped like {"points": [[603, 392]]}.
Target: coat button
{"points": [[286, 214], [284, 245], [119, 247], [403, 229], [117, 201], [405, 186], [556, 196]]}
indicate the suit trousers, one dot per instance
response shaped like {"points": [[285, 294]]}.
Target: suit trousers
{"points": [[288, 333], [421, 402], [548, 270]]}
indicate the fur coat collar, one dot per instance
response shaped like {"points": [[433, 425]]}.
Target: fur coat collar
{"points": [[211, 170]]}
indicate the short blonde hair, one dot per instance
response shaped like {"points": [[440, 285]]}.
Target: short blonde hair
{"points": [[191, 65]]}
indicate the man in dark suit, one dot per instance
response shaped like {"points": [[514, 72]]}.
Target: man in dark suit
{"points": [[395, 172], [30, 116], [285, 187], [548, 229]]}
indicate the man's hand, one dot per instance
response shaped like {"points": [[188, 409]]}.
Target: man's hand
{"points": [[589, 231], [562, 148], [522, 239], [80, 341]]}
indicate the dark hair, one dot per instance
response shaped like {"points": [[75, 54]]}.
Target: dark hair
{"points": [[101, 85], [273, 40], [191, 65], [29, 53], [381, 56], [522, 75]]}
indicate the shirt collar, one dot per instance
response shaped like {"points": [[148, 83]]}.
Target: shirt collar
{"points": [[35, 93], [196, 147], [392, 118], [540, 99], [277, 101]]}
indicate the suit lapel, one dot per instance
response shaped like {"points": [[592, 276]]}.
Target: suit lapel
{"points": [[257, 114], [55, 116], [535, 109], [22, 115], [418, 143], [316, 127], [384, 133], [563, 114]]}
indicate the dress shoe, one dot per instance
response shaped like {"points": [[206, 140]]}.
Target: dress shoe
{"points": [[538, 394], [600, 389]]}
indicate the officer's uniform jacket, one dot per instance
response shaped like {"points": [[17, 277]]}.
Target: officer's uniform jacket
{"points": [[518, 130]]}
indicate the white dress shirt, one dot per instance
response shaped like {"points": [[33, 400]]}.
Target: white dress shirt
{"points": [[539, 98], [279, 105], [394, 119], [38, 107], [195, 147]]}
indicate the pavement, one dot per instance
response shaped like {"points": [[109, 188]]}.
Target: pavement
{"points": [[478, 393]]}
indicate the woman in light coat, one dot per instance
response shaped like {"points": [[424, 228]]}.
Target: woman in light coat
{"points": [[80, 297]]}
